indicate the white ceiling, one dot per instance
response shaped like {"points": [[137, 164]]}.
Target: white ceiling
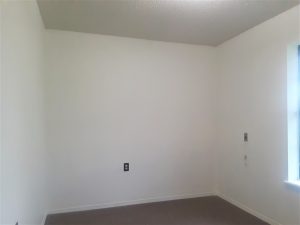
{"points": [[205, 22]]}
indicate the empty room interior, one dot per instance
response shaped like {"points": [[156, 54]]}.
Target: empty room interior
{"points": [[150, 112]]}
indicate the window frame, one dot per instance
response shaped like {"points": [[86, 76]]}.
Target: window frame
{"points": [[298, 58], [293, 115]]}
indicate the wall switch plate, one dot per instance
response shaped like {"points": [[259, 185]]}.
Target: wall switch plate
{"points": [[126, 167], [245, 137]]}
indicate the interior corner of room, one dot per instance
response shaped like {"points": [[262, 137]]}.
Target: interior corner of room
{"points": [[158, 112]]}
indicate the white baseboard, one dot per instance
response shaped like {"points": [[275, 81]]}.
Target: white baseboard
{"points": [[248, 210], [125, 203], [44, 219], [161, 199]]}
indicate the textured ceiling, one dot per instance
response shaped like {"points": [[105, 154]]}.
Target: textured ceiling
{"points": [[205, 22]]}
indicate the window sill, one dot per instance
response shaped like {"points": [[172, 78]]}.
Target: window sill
{"points": [[293, 183]]}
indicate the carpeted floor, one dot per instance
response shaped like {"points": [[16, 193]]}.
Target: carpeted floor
{"points": [[197, 211]]}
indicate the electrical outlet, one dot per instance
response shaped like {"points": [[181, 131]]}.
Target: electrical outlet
{"points": [[126, 167], [245, 137]]}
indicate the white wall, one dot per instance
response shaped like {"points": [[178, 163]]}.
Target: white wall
{"points": [[253, 98], [23, 196], [114, 100]]}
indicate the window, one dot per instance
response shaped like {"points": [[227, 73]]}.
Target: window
{"points": [[293, 105], [298, 111], [298, 73]]}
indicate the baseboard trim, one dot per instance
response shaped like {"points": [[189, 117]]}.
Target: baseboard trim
{"points": [[248, 210], [162, 199], [133, 202], [44, 219]]}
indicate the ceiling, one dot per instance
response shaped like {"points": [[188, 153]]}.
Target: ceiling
{"points": [[204, 22]]}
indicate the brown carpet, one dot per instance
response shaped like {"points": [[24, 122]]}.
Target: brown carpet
{"points": [[197, 211]]}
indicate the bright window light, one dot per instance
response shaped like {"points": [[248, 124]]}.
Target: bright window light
{"points": [[293, 94]]}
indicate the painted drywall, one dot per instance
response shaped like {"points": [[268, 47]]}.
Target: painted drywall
{"points": [[252, 92], [112, 100], [23, 196]]}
